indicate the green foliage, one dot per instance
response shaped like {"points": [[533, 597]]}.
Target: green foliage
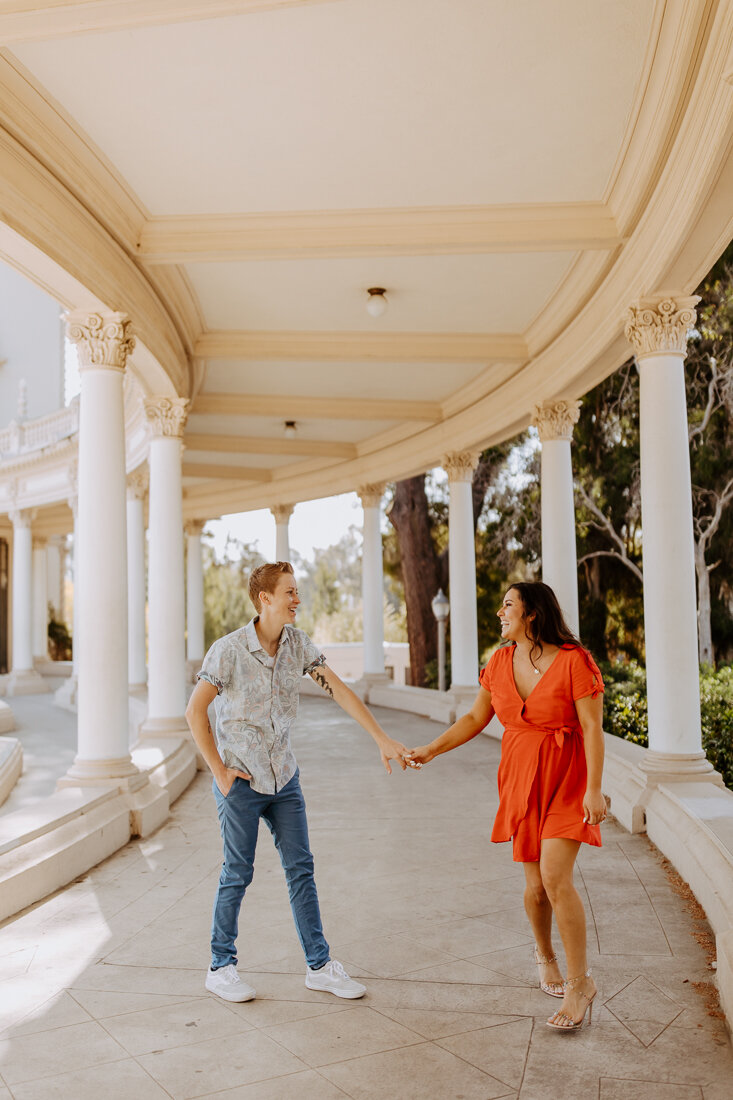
{"points": [[60, 644], [227, 605], [625, 710]]}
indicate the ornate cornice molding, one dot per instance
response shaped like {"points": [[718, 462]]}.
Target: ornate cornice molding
{"points": [[460, 465], [102, 339], [555, 419], [282, 512], [167, 416], [371, 494], [660, 327]]}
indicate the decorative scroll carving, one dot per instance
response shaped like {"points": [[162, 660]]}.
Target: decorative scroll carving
{"points": [[282, 512], [22, 517], [657, 327], [137, 483], [194, 527], [371, 495], [167, 416], [102, 339], [460, 465], [555, 419]]}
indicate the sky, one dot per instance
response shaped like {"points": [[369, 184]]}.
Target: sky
{"points": [[314, 523]]}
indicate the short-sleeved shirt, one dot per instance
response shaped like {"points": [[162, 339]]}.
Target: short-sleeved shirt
{"points": [[257, 701]]}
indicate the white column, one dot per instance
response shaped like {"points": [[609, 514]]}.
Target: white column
{"points": [[460, 468], [54, 574], [282, 514], [40, 600], [66, 695], [194, 595], [372, 582], [23, 679], [658, 333], [166, 597], [100, 551], [137, 485], [554, 421]]}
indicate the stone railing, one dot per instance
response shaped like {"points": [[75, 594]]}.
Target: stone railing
{"points": [[33, 435]]}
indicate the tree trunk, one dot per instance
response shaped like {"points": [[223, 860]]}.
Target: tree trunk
{"points": [[704, 615], [420, 571]]}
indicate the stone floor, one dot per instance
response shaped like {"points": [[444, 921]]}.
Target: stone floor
{"points": [[101, 985]]}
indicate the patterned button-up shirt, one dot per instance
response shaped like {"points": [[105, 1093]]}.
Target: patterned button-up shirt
{"points": [[257, 701]]}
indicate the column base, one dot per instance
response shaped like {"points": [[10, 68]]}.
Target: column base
{"points": [[155, 728], [369, 680], [463, 696], [148, 803], [66, 696], [25, 682], [669, 767]]}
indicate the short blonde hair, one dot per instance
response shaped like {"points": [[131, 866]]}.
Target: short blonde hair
{"points": [[264, 579]]}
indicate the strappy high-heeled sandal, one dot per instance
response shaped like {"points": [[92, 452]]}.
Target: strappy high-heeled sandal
{"points": [[575, 1025], [552, 989]]}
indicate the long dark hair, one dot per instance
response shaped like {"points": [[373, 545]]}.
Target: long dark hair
{"points": [[544, 620]]}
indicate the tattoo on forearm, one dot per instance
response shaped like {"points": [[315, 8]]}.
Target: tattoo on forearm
{"points": [[321, 680]]}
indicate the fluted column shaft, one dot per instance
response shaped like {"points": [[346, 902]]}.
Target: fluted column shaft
{"points": [[166, 596], [460, 467], [100, 550], [658, 333], [40, 599], [136, 490], [282, 514], [554, 421], [372, 581], [195, 592]]}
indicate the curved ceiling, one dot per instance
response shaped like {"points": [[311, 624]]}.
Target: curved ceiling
{"points": [[513, 174]]}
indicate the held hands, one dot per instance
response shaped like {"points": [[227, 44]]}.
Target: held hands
{"points": [[225, 779], [417, 757], [594, 807]]}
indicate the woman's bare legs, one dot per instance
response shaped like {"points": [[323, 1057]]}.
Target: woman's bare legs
{"points": [[539, 911], [557, 860]]}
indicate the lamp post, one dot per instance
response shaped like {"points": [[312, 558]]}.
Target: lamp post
{"points": [[441, 610]]}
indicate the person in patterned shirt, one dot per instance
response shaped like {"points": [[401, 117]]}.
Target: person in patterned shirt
{"points": [[254, 675]]}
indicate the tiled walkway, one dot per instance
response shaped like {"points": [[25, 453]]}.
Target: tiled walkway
{"points": [[101, 986]]}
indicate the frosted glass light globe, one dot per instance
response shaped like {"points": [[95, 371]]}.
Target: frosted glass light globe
{"points": [[377, 301]]}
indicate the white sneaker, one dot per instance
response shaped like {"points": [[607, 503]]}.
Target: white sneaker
{"points": [[332, 978], [227, 984]]}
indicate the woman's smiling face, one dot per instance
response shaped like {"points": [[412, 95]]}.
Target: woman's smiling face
{"points": [[511, 616]]}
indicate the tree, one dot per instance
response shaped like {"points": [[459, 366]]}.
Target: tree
{"points": [[227, 605]]}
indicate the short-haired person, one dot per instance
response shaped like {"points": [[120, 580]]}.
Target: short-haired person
{"points": [[546, 690], [254, 675]]}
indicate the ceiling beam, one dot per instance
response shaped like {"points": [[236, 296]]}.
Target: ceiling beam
{"points": [[386, 347], [327, 408], [212, 471], [21, 21], [252, 445], [412, 231]]}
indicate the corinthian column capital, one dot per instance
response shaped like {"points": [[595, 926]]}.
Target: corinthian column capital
{"points": [[282, 512], [371, 495], [194, 527], [555, 419], [167, 416], [102, 339], [137, 483], [658, 327], [460, 465]]}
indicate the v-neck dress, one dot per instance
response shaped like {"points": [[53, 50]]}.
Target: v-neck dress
{"points": [[542, 775]]}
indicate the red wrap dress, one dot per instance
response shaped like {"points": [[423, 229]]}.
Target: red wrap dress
{"points": [[542, 775]]}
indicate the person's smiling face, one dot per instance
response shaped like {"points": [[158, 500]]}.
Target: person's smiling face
{"points": [[282, 604], [512, 617]]}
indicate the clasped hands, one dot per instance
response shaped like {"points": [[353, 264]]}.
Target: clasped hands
{"points": [[406, 758]]}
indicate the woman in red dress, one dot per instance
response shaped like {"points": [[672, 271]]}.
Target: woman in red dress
{"points": [[547, 692]]}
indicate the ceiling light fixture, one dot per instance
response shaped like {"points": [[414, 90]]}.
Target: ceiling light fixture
{"points": [[377, 301], [290, 429]]}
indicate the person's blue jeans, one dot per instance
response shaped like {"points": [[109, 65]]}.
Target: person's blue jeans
{"points": [[239, 819]]}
